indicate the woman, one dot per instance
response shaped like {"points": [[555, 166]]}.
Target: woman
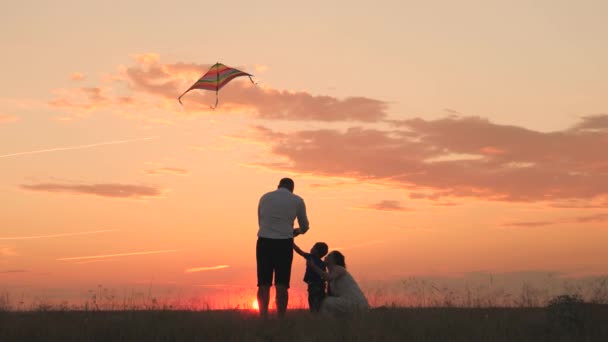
{"points": [[345, 296]]}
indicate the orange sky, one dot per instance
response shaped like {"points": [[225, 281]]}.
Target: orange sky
{"points": [[434, 139]]}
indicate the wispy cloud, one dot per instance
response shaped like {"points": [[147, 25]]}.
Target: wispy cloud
{"points": [[77, 147], [205, 268], [104, 256], [92, 261], [446, 204], [530, 224], [260, 68], [50, 236], [385, 205], [197, 148], [111, 190], [588, 219], [7, 118], [77, 76], [13, 271], [8, 251], [601, 217], [167, 171], [362, 244], [402, 227]]}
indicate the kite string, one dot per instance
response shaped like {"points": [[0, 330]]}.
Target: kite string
{"points": [[217, 83]]}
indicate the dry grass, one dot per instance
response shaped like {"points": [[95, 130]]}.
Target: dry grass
{"points": [[427, 313], [383, 324]]}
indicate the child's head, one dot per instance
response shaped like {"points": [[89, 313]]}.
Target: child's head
{"points": [[319, 249]]}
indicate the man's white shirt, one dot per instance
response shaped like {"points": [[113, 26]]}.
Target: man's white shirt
{"points": [[277, 211]]}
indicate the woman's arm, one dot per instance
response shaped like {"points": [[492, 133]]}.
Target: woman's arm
{"points": [[335, 274]]}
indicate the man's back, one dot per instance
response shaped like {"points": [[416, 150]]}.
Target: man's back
{"points": [[276, 212]]}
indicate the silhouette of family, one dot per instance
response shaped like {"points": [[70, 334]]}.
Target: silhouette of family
{"points": [[331, 288]]}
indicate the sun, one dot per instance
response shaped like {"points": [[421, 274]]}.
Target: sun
{"points": [[255, 305]]}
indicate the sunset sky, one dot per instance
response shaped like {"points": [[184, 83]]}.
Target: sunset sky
{"points": [[428, 138]]}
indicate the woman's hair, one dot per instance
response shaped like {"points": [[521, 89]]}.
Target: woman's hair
{"points": [[338, 258]]}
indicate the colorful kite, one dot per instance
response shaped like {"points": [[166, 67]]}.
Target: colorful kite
{"points": [[217, 77]]}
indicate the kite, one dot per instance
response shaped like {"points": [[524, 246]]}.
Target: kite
{"points": [[217, 77]]}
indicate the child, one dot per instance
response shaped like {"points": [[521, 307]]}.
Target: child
{"points": [[316, 284]]}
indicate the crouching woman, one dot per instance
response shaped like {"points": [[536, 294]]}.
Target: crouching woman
{"points": [[344, 296]]}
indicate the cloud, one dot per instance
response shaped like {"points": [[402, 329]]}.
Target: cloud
{"points": [[8, 251], [601, 217], [529, 224], [197, 148], [13, 271], [532, 166], [594, 218], [167, 171], [77, 147], [446, 204], [401, 227], [430, 196], [111, 190], [50, 236], [385, 205], [93, 261], [4, 118], [205, 268], [147, 58], [77, 76], [81, 100], [148, 90], [89, 257], [357, 245], [593, 123], [260, 68]]}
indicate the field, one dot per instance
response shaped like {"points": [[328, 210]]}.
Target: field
{"points": [[586, 322]]}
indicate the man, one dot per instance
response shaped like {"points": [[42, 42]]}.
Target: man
{"points": [[277, 211]]}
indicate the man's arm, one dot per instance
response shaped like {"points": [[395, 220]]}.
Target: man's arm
{"points": [[259, 216], [302, 218], [300, 251]]}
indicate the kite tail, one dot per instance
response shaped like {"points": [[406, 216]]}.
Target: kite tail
{"points": [[180, 97], [251, 79]]}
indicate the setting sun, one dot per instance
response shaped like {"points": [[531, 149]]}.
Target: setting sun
{"points": [[255, 305]]}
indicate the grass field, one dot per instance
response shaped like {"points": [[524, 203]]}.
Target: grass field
{"points": [[583, 323]]}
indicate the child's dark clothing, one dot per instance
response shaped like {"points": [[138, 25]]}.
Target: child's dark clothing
{"points": [[316, 284]]}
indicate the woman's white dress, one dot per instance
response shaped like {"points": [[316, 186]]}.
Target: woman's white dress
{"points": [[346, 296]]}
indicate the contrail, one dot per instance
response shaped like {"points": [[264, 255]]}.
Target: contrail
{"points": [[208, 268], [78, 147], [117, 255], [56, 235]]}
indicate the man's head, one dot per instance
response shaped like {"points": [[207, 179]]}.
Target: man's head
{"points": [[287, 183], [319, 249]]}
